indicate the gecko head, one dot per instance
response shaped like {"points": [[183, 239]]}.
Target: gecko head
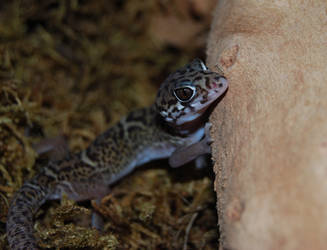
{"points": [[188, 92]]}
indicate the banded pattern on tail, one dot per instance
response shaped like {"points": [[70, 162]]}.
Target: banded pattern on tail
{"points": [[21, 212]]}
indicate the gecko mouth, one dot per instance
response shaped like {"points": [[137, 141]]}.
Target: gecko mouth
{"points": [[198, 121], [203, 110]]}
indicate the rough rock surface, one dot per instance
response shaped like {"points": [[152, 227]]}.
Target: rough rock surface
{"points": [[270, 130]]}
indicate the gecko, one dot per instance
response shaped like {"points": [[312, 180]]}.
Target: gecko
{"points": [[174, 127]]}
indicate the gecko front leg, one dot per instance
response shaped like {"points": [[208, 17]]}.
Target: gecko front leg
{"points": [[194, 151]]}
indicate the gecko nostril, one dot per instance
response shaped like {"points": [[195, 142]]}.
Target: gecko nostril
{"points": [[213, 85], [219, 84]]}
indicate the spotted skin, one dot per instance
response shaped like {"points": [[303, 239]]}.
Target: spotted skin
{"points": [[143, 135]]}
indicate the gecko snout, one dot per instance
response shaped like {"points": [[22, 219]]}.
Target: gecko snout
{"points": [[219, 84]]}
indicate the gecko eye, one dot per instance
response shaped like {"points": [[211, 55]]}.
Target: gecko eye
{"points": [[184, 94]]}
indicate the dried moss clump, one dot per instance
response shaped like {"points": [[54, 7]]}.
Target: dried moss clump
{"points": [[73, 68]]}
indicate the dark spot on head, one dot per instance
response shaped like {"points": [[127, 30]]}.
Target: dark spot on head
{"points": [[121, 130], [172, 102], [193, 74], [163, 101], [220, 85], [180, 115], [208, 83], [181, 78], [198, 78]]}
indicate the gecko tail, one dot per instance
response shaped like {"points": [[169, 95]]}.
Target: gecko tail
{"points": [[21, 213]]}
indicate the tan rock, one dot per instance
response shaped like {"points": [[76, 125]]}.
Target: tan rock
{"points": [[270, 130]]}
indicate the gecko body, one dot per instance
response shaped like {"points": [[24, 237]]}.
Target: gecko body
{"points": [[173, 127]]}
